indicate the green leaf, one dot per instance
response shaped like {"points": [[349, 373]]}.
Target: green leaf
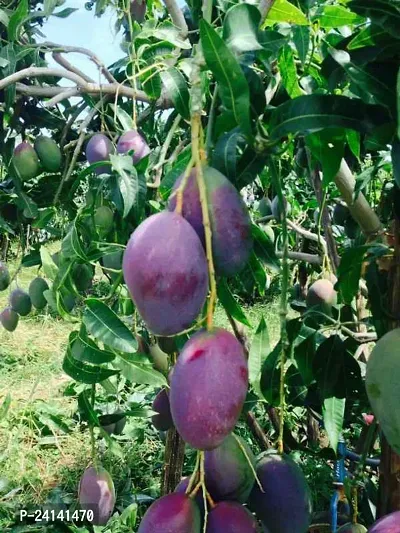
{"points": [[288, 72], [106, 327], [384, 13], [350, 267], [374, 87], [151, 82], [28, 206], [50, 269], [241, 28], [335, 16], [4, 18], [229, 303], [310, 113], [17, 19], [333, 414], [84, 373], [303, 354], [225, 153], [84, 349], [65, 12], [257, 272], [260, 348], [123, 117], [127, 180], [270, 376], [171, 176], [328, 147], [166, 32], [301, 39], [176, 88], [284, 11], [71, 246], [233, 87], [369, 36], [138, 369], [353, 140], [87, 412], [8, 53], [264, 248]]}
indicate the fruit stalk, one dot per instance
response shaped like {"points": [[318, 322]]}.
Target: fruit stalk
{"points": [[283, 303]]}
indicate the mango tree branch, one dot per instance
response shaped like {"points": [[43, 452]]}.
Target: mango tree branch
{"points": [[58, 58], [305, 233], [177, 16], [82, 86], [54, 47], [301, 256], [360, 209]]}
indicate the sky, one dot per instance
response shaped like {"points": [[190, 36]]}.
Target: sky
{"points": [[82, 28]]}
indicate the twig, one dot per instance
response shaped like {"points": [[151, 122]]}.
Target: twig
{"points": [[177, 16], [301, 256], [305, 233], [65, 95], [157, 169], [70, 121]]}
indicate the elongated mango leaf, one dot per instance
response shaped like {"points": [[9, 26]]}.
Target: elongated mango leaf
{"points": [[71, 246], [270, 376], [287, 68], [315, 112], [229, 303], [333, 414], [17, 19], [328, 147], [335, 16], [301, 39], [128, 180], [123, 117], [233, 87], [264, 248], [106, 327], [86, 409], [284, 11], [384, 13], [83, 372], [369, 36], [225, 154], [176, 88], [49, 267], [138, 369], [260, 348], [83, 349], [241, 28]]}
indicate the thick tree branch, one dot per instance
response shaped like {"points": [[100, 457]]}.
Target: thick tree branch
{"points": [[82, 86], [79, 50], [177, 16], [58, 58], [360, 209]]}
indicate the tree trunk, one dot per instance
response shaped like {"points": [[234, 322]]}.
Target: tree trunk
{"points": [[173, 463], [389, 473]]}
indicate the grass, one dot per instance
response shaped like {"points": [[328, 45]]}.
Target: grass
{"points": [[38, 458]]}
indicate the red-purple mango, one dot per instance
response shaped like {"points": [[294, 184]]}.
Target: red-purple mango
{"points": [[285, 505], [231, 517], [387, 524], [163, 420], [165, 268], [97, 493], [174, 513], [25, 161], [133, 141], [98, 149], [230, 221], [208, 388]]}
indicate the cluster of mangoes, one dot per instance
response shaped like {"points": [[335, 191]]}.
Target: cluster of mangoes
{"points": [[28, 161], [100, 147], [20, 302]]}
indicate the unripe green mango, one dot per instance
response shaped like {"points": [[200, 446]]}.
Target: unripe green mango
{"points": [[49, 153]]}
